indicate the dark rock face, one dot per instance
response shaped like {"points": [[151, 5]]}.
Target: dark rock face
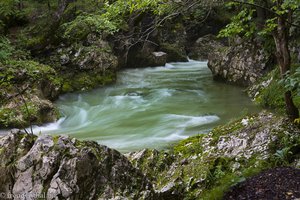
{"points": [[85, 65], [241, 64], [65, 168], [145, 56], [203, 47], [172, 40]]}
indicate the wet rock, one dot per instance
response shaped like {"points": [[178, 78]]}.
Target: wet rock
{"points": [[65, 168], [201, 161], [175, 52], [146, 55], [203, 47], [241, 64], [172, 39], [84, 65], [160, 58]]}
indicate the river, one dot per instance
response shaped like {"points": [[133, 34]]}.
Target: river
{"points": [[150, 107]]}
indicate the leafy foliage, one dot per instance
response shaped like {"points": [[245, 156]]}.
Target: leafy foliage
{"points": [[6, 49], [241, 24], [84, 24], [11, 13], [292, 81]]}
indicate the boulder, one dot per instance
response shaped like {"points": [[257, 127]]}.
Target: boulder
{"points": [[145, 56], [64, 168], [26, 95], [192, 168], [241, 64], [85, 65], [204, 46], [159, 58], [172, 40], [175, 52]]}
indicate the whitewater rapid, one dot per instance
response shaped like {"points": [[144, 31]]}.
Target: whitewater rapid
{"points": [[150, 107]]}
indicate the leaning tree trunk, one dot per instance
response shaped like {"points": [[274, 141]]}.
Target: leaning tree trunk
{"points": [[284, 61]]}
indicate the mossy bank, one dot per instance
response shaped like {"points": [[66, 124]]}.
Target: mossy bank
{"points": [[200, 167]]}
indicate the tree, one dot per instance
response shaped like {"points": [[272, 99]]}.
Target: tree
{"points": [[284, 15], [277, 18]]}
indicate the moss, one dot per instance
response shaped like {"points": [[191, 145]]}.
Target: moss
{"points": [[189, 146], [86, 81], [175, 53], [67, 87], [7, 117], [224, 130], [55, 139], [228, 178], [207, 173], [272, 96]]}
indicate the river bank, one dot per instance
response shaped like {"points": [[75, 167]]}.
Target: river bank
{"points": [[62, 50], [201, 167]]}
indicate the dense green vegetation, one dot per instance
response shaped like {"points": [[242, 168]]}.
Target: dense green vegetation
{"points": [[275, 19]]}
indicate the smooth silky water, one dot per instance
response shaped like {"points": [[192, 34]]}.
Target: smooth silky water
{"points": [[150, 107]]}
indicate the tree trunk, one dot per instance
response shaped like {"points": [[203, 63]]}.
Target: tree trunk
{"points": [[284, 61]]}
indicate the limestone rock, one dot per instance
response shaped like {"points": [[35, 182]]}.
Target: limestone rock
{"points": [[195, 164], [203, 47], [241, 64], [64, 168]]}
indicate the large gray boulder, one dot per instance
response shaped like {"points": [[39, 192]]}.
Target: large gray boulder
{"points": [[240, 64], [64, 168]]}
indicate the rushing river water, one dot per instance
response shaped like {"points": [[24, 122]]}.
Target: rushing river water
{"points": [[150, 107]]}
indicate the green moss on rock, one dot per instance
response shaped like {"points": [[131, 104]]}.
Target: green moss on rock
{"points": [[27, 86], [205, 166], [174, 52]]}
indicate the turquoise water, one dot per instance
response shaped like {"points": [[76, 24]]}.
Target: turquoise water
{"points": [[150, 107]]}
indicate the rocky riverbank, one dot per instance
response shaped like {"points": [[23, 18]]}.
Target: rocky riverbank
{"points": [[201, 167]]}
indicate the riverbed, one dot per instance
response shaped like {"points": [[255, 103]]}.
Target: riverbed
{"points": [[150, 107]]}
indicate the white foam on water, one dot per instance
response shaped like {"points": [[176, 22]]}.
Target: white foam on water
{"points": [[184, 121], [177, 135], [47, 127], [200, 93], [123, 144], [169, 66], [196, 61], [165, 92], [83, 114]]}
